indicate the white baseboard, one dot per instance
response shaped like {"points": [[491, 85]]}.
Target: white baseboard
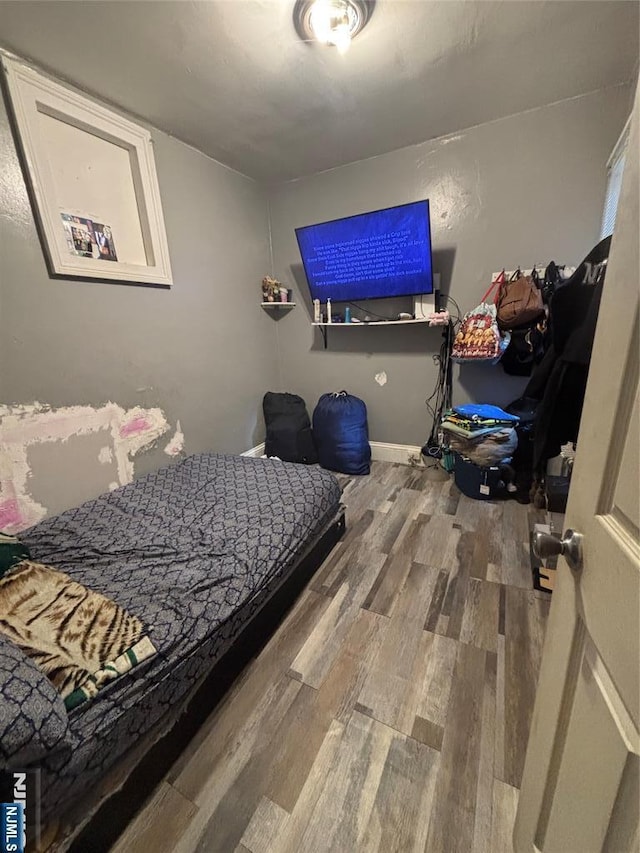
{"points": [[381, 451], [404, 454], [256, 451]]}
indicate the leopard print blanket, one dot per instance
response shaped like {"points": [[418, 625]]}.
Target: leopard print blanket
{"points": [[79, 638]]}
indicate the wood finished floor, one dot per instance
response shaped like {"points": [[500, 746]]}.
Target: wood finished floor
{"points": [[391, 710]]}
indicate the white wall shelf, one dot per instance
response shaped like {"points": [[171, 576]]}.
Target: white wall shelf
{"points": [[278, 304], [324, 327], [373, 323]]}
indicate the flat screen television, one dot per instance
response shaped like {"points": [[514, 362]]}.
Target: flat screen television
{"points": [[369, 256]]}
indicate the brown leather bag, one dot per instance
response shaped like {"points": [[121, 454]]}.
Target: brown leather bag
{"points": [[519, 301]]}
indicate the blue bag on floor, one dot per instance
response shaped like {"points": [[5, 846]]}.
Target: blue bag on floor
{"points": [[341, 433]]}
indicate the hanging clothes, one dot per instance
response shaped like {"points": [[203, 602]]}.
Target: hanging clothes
{"points": [[530, 341], [559, 381]]}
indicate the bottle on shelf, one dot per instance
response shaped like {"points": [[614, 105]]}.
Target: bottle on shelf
{"points": [[328, 310], [316, 311]]}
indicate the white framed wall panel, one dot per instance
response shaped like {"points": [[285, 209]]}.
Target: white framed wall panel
{"points": [[88, 166]]}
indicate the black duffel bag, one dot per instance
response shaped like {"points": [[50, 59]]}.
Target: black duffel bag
{"points": [[289, 433]]}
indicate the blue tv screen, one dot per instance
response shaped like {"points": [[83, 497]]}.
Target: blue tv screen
{"points": [[370, 256]]}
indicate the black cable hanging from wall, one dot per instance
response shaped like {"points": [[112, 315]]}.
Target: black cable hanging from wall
{"points": [[441, 399]]}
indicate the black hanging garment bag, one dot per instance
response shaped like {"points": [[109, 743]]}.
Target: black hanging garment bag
{"points": [[289, 433], [559, 381]]}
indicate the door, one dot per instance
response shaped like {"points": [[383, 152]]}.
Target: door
{"points": [[580, 785]]}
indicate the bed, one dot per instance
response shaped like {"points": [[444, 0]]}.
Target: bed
{"points": [[196, 551]]}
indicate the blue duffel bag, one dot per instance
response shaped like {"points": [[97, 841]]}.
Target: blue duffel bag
{"points": [[341, 433]]}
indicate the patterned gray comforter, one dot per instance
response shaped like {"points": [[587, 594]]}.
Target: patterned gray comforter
{"points": [[193, 551]]}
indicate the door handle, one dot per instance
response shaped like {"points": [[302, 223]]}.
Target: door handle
{"points": [[547, 545]]}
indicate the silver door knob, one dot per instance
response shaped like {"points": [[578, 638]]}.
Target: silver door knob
{"points": [[547, 545]]}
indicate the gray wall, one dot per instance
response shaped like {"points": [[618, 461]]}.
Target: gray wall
{"points": [[522, 190], [204, 350]]}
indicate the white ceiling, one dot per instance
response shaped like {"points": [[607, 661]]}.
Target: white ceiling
{"points": [[232, 78]]}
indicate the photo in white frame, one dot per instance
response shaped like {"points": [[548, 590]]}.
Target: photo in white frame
{"points": [[93, 182]]}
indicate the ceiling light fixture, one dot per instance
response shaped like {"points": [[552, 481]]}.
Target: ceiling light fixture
{"points": [[332, 22]]}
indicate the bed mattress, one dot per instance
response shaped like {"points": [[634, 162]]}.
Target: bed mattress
{"points": [[193, 550]]}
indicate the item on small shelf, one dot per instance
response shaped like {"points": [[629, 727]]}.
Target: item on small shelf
{"points": [[271, 289], [283, 294], [347, 314], [317, 316], [439, 318], [328, 310]]}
